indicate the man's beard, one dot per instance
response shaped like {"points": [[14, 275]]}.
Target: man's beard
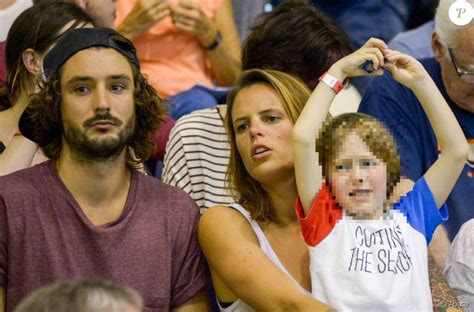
{"points": [[101, 148]]}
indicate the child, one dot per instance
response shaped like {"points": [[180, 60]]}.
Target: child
{"points": [[366, 255]]}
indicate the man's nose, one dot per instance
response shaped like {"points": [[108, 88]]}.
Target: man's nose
{"points": [[101, 99]]}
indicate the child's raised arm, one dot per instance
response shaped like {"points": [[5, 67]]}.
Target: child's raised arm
{"points": [[443, 174], [308, 170]]}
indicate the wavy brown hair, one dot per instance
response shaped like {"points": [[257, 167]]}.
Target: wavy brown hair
{"points": [[377, 137], [293, 94], [44, 113]]}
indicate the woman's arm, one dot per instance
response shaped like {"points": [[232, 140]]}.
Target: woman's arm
{"points": [[444, 173], [234, 255], [308, 171], [18, 155], [225, 56]]}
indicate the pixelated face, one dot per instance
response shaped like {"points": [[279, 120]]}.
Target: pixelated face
{"points": [[358, 179], [97, 106], [263, 134], [460, 88]]}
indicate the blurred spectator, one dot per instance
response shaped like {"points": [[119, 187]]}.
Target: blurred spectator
{"points": [[374, 18], [245, 12], [82, 296], [459, 270], [9, 10], [102, 11], [181, 44], [32, 34], [363, 19], [415, 42]]}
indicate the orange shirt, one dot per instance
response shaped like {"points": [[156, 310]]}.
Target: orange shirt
{"points": [[172, 60]]}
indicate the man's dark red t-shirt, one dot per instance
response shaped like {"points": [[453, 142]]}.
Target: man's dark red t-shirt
{"points": [[45, 236]]}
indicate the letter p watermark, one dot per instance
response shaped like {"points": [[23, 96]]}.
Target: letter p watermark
{"points": [[461, 12]]}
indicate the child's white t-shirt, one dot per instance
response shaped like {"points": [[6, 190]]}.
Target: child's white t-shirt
{"points": [[372, 265]]}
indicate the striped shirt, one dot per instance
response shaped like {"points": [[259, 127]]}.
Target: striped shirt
{"points": [[197, 156]]}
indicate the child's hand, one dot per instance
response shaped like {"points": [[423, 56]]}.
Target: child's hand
{"points": [[351, 65], [404, 68]]}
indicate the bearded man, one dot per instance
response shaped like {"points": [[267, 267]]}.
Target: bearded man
{"points": [[88, 213]]}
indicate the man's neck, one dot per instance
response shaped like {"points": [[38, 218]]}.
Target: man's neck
{"points": [[101, 189]]}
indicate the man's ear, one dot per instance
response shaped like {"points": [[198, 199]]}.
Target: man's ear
{"points": [[439, 50], [32, 61]]}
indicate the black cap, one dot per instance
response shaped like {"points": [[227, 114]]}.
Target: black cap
{"points": [[79, 39], [71, 42]]}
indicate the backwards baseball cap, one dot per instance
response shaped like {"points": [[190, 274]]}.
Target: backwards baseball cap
{"points": [[71, 42], [75, 40]]}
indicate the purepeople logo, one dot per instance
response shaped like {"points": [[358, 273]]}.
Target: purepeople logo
{"points": [[461, 12]]}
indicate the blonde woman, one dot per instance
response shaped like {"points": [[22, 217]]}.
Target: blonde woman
{"points": [[255, 248]]}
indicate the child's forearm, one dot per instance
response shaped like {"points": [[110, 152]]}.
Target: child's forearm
{"points": [[307, 129], [447, 130]]}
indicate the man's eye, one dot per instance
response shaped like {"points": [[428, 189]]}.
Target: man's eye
{"points": [[117, 88], [81, 90]]}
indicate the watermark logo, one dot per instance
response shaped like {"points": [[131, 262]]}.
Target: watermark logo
{"points": [[453, 304], [461, 12]]}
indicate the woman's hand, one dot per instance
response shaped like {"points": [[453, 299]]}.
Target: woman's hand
{"points": [[144, 15], [153, 11], [188, 17], [351, 65], [404, 68]]}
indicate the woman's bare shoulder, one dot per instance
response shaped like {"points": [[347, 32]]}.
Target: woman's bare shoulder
{"points": [[223, 224]]}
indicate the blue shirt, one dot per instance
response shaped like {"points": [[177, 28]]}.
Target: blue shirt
{"points": [[415, 42], [399, 109]]}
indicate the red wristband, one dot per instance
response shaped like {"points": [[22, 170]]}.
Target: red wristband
{"points": [[331, 82]]}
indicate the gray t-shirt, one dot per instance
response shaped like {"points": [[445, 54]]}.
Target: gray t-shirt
{"points": [[459, 270], [45, 236]]}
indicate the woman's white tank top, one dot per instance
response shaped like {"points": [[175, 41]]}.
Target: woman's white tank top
{"points": [[239, 305]]}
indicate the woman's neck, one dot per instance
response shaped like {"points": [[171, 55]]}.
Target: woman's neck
{"points": [[20, 105], [283, 199], [10, 117]]}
